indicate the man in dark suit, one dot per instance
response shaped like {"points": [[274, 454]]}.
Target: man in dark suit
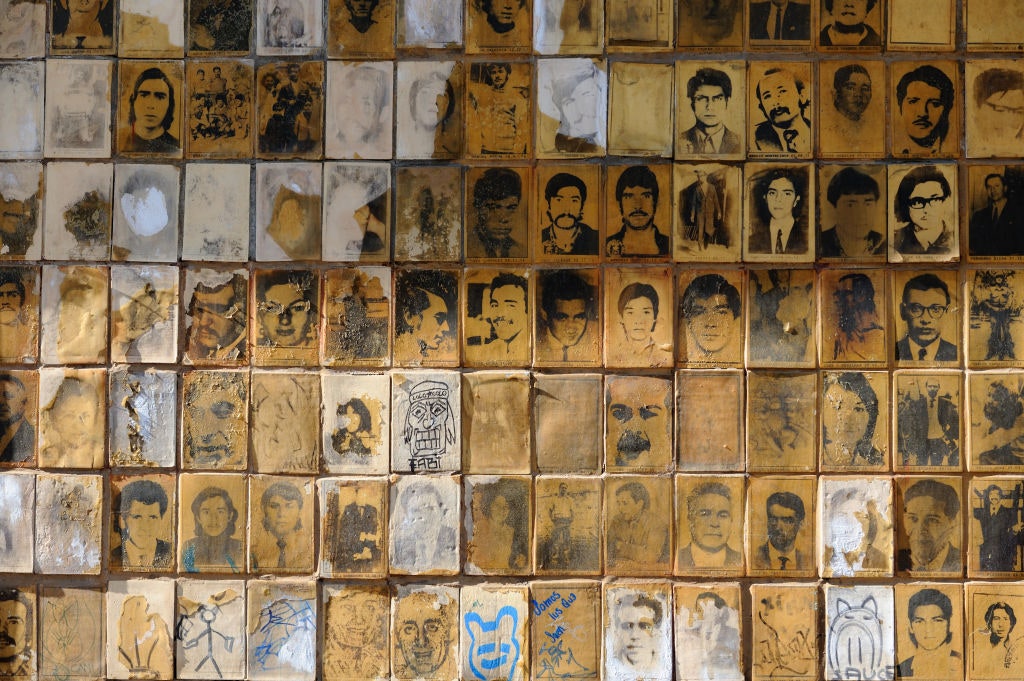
{"points": [[780, 228], [17, 436], [928, 427], [780, 20], [848, 27], [931, 521], [709, 512], [141, 519], [783, 99], [709, 91], [1000, 532], [924, 305], [785, 517], [996, 228]]}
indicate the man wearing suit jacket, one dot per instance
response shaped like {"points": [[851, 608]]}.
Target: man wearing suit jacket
{"points": [[924, 305], [785, 517], [996, 228], [931, 521], [709, 91], [780, 228], [709, 512], [780, 20]]}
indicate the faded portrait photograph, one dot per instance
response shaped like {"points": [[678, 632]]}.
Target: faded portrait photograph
{"points": [[357, 620], [996, 408], [215, 420], [638, 525], [779, 109], [21, 210], [638, 422], [78, 114], [219, 26], [851, 106], [566, 525], [924, 219], [859, 631], [496, 422], [710, 108], [706, 212], [429, 109], [705, 400], [215, 224], [423, 530], [855, 527], [361, 28], [288, 27], [927, 413], [428, 214], [284, 430], [637, 632], [216, 316], [426, 622], [781, 421], [352, 522], [499, 26], [220, 108], [146, 223], [23, 25], [851, 24], [853, 207], [995, 528], [426, 23], [994, 211], [496, 322], [713, 24], [707, 624], [357, 212], [640, 131], [281, 525], [499, 111], [567, 422], [782, 632], [925, 119], [781, 317], [19, 418], [19, 313], [569, 213], [995, 108], [143, 512], [285, 317], [497, 522], [289, 105], [929, 631], [854, 309], [141, 621], [21, 134], [360, 99], [288, 208], [993, 649], [69, 523], [357, 317], [72, 429], [427, 417], [930, 529], [426, 318], [572, 95], [990, 27], [144, 313], [142, 430], [357, 421], [710, 318], [82, 28], [638, 318], [853, 436], [150, 108], [75, 316], [631, 197], [995, 331], [780, 207], [780, 526], [567, 26], [567, 323], [497, 212], [77, 217], [17, 523], [709, 525], [645, 25], [779, 22], [211, 523], [926, 305]]}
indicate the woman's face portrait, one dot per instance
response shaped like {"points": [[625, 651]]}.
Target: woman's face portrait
{"points": [[845, 417], [284, 314]]}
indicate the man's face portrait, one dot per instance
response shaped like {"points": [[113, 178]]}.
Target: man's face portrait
{"points": [[496, 218], [75, 415], [579, 109], [568, 322], [928, 527], [850, 12], [922, 109], [430, 327], [13, 629], [854, 95], [215, 424], [923, 311], [13, 399], [710, 521], [637, 206], [711, 323], [995, 189], [422, 632], [430, 103], [709, 104], [856, 213], [11, 301], [638, 319], [501, 14], [498, 75], [783, 527], [150, 107], [215, 322], [284, 315], [713, 19], [637, 634], [781, 198], [1002, 114], [780, 99], [627, 507], [281, 515], [142, 523], [565, 208], [929, 626], [361, 9], [214, 516], [638, 419], [507, 311]]}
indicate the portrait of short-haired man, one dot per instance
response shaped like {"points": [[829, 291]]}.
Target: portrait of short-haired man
{"points": [[218, 318], [499, 25], [851, 109], [710, 320], [852, 214], [638, 318], [279, 541], [18, 413], [779, 113], [141, 525], [930, 537], [709, 94], [568, 328], [636, 196], [924, 217], [995, 109], [496, 325], [637, 527], [779, 21], [933, 631], [924, 119], [778, 213], [17, 634], [496, 214], [850, 25], [996, 210], [709, 514], [638, 638], [780, 515], [929, 332], [565, 214], [19, 313]]}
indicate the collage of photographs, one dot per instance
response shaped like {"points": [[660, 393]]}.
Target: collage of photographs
{"points": [[371, 340]]}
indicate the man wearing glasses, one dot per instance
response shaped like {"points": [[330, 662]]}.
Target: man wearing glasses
{"points": [[924, 305], [921, 207]]}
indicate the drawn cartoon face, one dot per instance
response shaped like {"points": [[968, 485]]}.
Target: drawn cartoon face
{"points": [[855, 638], [422, 633], [428, 424]]}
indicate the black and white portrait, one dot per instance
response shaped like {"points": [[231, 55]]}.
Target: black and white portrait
{"points": [[428, 109], [360, 99], [925, 116], [21, 210], [78, 117], [357, 212], [288, 26], [927, 412], [924, 218], [572, 95], [779, 209], [423, 530]]}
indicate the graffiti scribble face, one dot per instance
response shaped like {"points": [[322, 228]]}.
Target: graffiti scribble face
{"points": [[493, 646]]}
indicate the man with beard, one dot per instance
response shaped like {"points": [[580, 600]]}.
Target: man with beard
{"points": [[785, 513], [931, 521], [16, 635], [709, 92], [924, 98], [848, 27], [496, 198], [17, 436], [218, 328], [709, 513], [639, 422], [566, 306], [361, 13], [783, 99], [637, 195], [566, 234]]}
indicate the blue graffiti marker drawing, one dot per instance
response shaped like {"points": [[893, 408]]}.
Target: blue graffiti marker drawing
{"points": [[288, 630], [489, 656]]}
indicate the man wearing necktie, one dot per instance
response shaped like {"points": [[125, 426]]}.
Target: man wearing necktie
{"points": [[785, 515], [709, 91], [283, 548], [923, 307], [780, 20], [995, 229], [780, 226], [783, 99]]}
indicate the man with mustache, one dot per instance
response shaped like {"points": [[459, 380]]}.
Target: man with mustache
{"points": [[637, 195], [567, 234], [218, 329], [504, 312], [16, 634], [709, 512], [639, 422], [783, 99], [924, 97]]}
